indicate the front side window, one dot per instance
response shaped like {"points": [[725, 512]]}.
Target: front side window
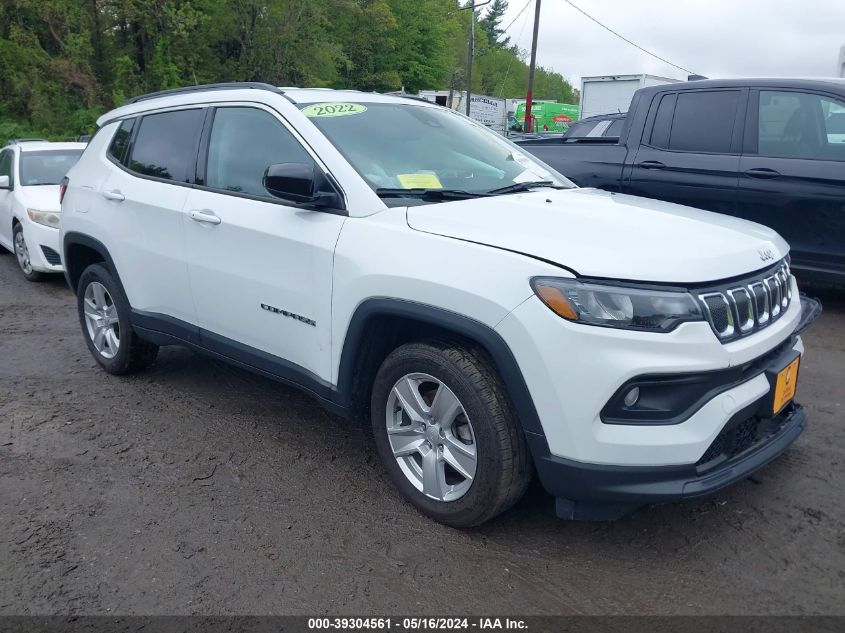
{"points": [[398, 145], [704, 121], [244, 142], [800, 125], [166, 145], [46, 167]]}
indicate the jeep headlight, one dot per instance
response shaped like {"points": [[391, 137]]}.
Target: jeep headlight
{"points": [[47, 218], [619, 306]]}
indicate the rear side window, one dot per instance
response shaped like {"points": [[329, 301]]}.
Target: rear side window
{"points": [[120, 143], [704, 121], [165, 145]]}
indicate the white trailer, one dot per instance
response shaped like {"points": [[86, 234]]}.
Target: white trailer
{"points": [[489, 111], [612, 93]]}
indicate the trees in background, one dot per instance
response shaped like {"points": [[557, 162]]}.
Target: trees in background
{"points": [[66, 61]]}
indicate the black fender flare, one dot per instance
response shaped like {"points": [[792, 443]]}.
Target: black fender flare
{"points": [[466, 327], [81, 239]]}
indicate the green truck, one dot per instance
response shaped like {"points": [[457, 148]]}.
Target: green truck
{"points": [[548, 116]]}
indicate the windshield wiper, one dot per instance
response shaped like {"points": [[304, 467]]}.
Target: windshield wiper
{"points": [[524, 186], [430, 194]]}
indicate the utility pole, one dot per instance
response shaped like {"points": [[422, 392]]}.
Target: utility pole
{"points": [[450, 101], [529, 122], [470, 52], [471, 47]]}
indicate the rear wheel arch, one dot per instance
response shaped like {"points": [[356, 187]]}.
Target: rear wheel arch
{"points": [[80, 251], [381, 325]]}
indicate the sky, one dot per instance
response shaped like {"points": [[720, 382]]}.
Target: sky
{"points": [[715, 38]]}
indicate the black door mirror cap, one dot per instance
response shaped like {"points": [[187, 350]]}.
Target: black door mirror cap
{"points": [[301, 183]]}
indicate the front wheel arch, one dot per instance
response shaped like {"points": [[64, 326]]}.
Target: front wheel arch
{"points": [[379, 325]]}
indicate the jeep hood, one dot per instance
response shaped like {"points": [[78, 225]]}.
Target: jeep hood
{"points": [[601, 234]]}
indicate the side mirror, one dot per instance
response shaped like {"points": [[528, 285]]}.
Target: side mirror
{"points": [[302, 183], [4, 182]]}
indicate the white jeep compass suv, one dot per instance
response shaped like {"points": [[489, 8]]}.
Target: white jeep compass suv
{"points": [[30, 173], [403, 264]]}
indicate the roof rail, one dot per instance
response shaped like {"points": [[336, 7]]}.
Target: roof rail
{"points": [[232, 85], [15, 141]]}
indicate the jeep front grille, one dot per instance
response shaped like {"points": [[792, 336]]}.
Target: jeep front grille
{"points": [[742, 308]]}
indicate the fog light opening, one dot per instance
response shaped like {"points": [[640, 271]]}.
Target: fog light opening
{"points": [[631, 397]]}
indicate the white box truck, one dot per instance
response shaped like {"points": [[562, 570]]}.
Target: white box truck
{"points": [[489, 111], [612, 93]]}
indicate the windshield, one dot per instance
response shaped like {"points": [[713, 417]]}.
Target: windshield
{"points": [[398, 146], [47, 168]]}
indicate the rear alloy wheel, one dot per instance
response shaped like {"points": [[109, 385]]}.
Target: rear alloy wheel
{"points": [[22, 255], [444, 428], [101, 320], [104, 316]]}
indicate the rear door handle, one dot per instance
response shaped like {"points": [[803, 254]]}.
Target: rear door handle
{"points": [[652, 164], [762, 172], [204, 215], [115, 195]]}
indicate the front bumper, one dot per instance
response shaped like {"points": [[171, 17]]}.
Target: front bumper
{"points": [[572, 371], [604, 471], [599, 492], [43, 244]]}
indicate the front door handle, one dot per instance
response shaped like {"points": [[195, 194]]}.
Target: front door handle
{"points": [[115, 195], [204, 215], [762, 172], [652, 164]]}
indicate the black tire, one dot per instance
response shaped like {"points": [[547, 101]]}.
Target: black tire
{"points": [[133, 353], [503, 468], [32, 275]]}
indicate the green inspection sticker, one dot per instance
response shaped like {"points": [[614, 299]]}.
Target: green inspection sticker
{"points": [[333, 109]]}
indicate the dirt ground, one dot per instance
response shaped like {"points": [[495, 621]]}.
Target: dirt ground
{"points": [[196, 488]]}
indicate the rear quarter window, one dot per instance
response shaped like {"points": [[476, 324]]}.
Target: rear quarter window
{"points": [[119, 147]]}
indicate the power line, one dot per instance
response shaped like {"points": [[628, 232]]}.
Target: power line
{"points": [[510, 61], [521, 11], [622, 37]]}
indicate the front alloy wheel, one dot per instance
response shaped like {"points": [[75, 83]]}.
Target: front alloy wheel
{"points": [[22, 255], [445, 431], [101, 320], [431, 437]]}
